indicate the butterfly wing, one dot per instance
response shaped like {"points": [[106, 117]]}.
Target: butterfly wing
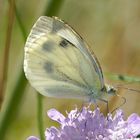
{"points": [[58, 62]]}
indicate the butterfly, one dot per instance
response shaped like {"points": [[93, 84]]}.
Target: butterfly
{"points": [[59, 63]]}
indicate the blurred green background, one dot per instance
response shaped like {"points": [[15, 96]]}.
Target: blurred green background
{"points": [[111, 28]]}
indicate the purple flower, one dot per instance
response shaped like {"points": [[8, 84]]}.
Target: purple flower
{"points": [[32, 138], [92, 125]]}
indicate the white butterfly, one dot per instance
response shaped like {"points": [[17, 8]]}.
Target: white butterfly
{"points": [[58, 62]]}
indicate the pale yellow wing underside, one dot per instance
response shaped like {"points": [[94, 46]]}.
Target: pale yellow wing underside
{"points": [[57, 62]]}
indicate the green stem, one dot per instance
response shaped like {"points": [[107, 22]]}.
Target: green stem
{"points": [[53, 7], [20, 23], [7, 50], [138, 136], [9, 111], [124, 78], [40, 116]]}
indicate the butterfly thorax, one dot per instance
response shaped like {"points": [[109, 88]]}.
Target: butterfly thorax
{"points": [[95, 94]]}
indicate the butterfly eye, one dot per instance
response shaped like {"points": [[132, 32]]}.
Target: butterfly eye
{"points": [[112, 90]]}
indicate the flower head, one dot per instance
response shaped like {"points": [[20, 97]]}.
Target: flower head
{"points": [[93, 125]]}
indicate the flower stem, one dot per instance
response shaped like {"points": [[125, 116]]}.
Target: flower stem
{"points": [[20, 23], [40, 116], [10, 109], [6, 50], [125, 78], [53, 7]]}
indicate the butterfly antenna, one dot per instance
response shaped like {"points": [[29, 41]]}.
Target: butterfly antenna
{"points": [[124, 101], [131, 89]]}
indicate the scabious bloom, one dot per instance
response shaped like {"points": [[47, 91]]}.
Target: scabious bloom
{"points": [[92, 125]]}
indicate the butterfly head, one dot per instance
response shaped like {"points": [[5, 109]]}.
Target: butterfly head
{"points": [[110, 89]]}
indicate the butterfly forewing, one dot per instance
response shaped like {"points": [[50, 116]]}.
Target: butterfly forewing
{"points": [[57, 62]]}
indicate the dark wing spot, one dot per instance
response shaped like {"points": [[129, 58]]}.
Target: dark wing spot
{"points": [[48, 45], [48, 66], [65, 43]]}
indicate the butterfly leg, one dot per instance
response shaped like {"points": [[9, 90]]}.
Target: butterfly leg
{"points": [[93, 100], [124, 101], [106, 102]]}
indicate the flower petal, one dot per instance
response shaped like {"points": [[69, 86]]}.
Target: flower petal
{"points": [[55, 115], [134, 123], [32, 138], [51, 133]]}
